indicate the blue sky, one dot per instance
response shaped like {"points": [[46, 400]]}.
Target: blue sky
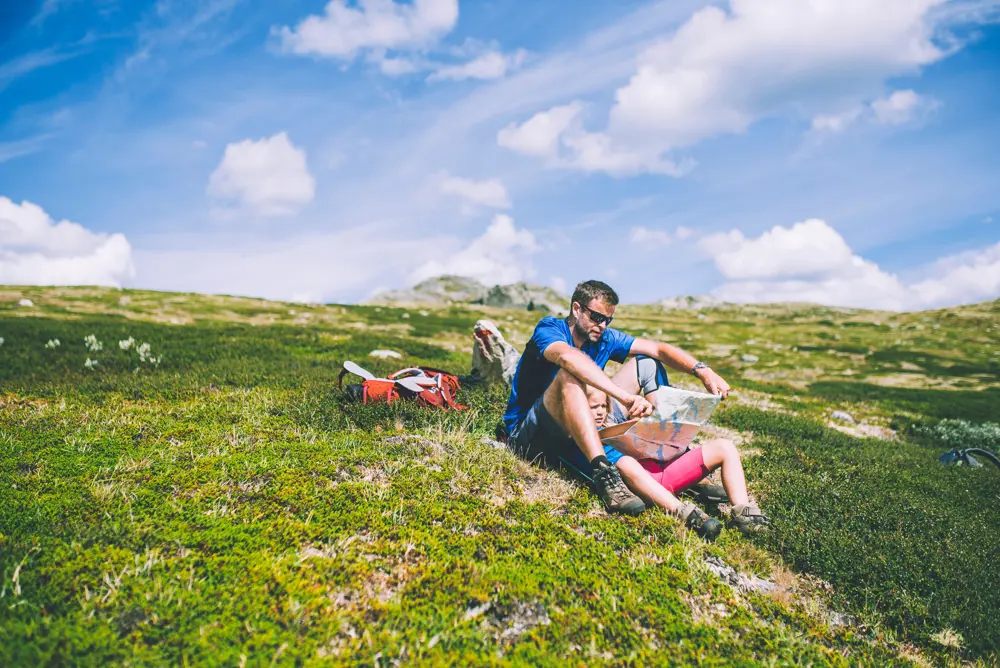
{"points": [[838, 151]]}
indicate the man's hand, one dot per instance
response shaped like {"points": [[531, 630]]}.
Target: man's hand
{"points": [[713, 382], [637, 406]]}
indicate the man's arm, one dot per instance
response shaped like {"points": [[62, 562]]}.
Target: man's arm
{"points": [[582, 367], [678, 359]]}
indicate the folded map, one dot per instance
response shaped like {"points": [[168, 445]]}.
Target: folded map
{"points": [[668, 432]]}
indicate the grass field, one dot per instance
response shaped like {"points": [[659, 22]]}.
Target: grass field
{"points": [[216, 501]]}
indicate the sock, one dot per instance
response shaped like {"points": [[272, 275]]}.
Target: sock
{"points": [[599, 461]]}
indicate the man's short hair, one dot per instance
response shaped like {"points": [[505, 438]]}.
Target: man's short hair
{"points": [[590, 290]]}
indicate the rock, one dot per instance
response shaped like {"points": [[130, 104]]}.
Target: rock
{"points": [[737, 580], [691, 302], [385, 354], [25, 302], [750, 358], [493, 359], [438, 290], [526, 296], [462, 290], [841, 416]]}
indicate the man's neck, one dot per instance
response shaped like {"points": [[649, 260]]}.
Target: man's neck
{"points": [[578, 341]]}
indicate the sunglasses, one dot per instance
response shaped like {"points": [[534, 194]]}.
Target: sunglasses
{"points": [[597, 317]]}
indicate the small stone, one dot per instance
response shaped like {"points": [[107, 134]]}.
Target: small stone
{"points": [[385, 354], [841, 416], [26, 302], [750, 358], [405, 315]]}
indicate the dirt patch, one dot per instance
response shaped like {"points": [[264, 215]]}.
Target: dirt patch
{"points": [[863, 430]]}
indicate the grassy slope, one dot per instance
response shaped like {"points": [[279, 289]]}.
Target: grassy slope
{"points": [[227, 504]]}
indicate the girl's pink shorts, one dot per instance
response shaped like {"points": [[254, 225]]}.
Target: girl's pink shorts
{"points": [[679, 473]]}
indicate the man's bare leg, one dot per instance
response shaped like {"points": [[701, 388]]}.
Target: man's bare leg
{"points": [[566, 401]]}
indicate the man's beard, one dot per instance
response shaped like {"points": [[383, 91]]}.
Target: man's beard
{"points": [[583, 333]]}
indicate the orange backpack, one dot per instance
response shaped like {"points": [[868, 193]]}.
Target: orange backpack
{"points": [[427, 386]]}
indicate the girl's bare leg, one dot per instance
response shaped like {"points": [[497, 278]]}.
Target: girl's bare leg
{"points": [[722, 452], [644, 486]]}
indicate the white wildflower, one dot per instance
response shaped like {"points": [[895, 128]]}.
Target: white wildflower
{"points": [[146, 354], [127, 343], [93, 345], [90, 364], [1, 340], [52, 343]]}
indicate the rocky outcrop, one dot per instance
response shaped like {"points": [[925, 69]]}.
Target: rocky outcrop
{"points": [[526, 296], [691, 302], [462, 290], [438, 290]]}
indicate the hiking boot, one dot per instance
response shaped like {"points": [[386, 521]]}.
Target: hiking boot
{"points": [[616, 496], [748, 519], [706, 493], [698, 520]]}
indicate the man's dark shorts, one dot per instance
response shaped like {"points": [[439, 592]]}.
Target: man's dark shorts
{"points": [[540, 437]]}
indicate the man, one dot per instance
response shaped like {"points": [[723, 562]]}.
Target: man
{"points": [[548, 414]]}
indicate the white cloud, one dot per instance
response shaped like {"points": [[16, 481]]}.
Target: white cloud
{"points": [[489, 65], [643, 236], [503, 254], [837, 122], [267, 177], [898, 108], [962, 278], [721, 71], [684, 233], [339, 266], [558, 136], [35, 250], [810, 247], [343, 31], [539, 136], [811, 262], [488, 192]]}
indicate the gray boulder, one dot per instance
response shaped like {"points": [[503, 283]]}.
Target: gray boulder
{"points": [[494, 360], [526, 296]]}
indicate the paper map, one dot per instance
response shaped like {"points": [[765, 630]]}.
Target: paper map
{"points": [[668, 432]]}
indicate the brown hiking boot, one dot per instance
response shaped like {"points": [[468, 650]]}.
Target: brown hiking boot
{"points": [[696, 519], [706, 493], [616, 496], [748, 519]]}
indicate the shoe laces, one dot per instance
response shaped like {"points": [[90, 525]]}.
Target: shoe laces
{"points": [[613, 481]]}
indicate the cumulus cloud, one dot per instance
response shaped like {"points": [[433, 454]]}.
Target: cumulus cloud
{"points": [[488, 192], [643, 236], [35, 250], [811, 262], [267, 177], [899, 108], [343, 31], [723, 70], [490, 65], [558, 136], [503, 254]]}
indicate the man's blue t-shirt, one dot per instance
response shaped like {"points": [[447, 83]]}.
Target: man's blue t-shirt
{"points": [[535, 373]]}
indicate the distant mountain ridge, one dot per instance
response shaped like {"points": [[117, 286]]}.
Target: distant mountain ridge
{"points": [[464, 290]]}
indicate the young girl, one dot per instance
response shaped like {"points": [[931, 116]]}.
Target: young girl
{"points": [[682, 472]]}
